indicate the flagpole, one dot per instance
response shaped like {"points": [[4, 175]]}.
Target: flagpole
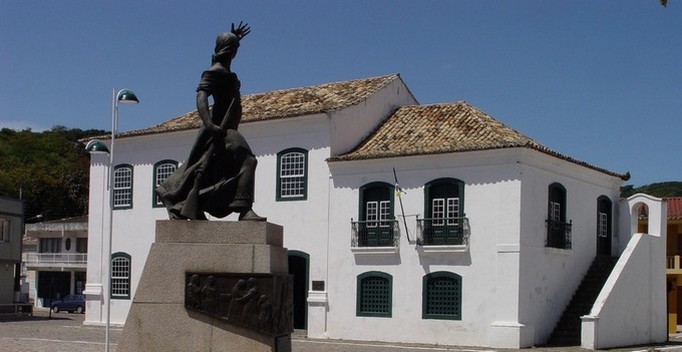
{"points": [[399, 190]]}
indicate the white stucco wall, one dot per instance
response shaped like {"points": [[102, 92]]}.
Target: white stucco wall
{"points": [[489, 285], [549, 276], [631, 308], [353, 124]]}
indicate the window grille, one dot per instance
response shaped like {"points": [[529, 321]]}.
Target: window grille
{"points": [[374, 295], [442, 296]]}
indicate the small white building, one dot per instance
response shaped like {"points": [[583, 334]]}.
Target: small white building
{"points": [[55, 259], [484, 242]]}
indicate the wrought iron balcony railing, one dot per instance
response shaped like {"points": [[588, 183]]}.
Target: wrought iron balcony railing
{"points": [[443, 231], [383, 233], [559, 234]]}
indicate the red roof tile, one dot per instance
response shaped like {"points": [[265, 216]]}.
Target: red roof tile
{"points": [[444, 128], [285, 103], [674, 208]]}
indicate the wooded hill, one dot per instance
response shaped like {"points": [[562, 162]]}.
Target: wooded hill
{"points": [[48, 170]]}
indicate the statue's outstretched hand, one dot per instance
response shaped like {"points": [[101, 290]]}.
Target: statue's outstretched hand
{"points": [[242, 30]]}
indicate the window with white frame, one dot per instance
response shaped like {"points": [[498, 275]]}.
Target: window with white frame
{"points": [[372, 212], [558, 228], [442, 208], [378, 213], [603, 224], [120, 276], [292, 174], [123, 187], [444, 219], [555, 211], [376, 226], [162, 170]]}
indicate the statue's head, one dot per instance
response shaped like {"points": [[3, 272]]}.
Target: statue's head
{"points": [[227, 43]]}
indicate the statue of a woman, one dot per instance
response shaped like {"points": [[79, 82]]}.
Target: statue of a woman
{"points": [[218, 176]]}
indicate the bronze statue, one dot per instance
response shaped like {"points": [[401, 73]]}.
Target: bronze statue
{"points": [[218, 176]]}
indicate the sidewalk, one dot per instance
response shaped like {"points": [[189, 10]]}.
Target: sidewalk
{"points": [[65, 333]]}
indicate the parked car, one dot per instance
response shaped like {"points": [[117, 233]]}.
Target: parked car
{"points": [[70, 303]]}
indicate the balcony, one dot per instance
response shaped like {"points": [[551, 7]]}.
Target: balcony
{"points": [[673, 265], [443, 235], [69, 260], [443, 232], [375, 236], [559, 234]]}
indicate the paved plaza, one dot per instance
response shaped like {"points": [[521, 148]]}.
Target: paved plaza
{"points": [[65, 332]]}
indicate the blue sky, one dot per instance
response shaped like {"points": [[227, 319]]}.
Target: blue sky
{"points": [[600, 81]]}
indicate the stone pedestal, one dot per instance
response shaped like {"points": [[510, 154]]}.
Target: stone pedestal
{"points": [[159, 320]]}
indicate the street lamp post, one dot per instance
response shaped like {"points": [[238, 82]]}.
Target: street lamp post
{"points": [[124, 96]]}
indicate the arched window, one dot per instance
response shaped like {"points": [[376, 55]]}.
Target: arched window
{"points": [[374, 296], [443, 222], [123, 186], [558, 229], [120, 275], [442, 296], [292, 174], [376, 227], [162, 170]]}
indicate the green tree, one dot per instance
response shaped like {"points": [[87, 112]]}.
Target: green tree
{"points": [[49, 170], [660, 189]]}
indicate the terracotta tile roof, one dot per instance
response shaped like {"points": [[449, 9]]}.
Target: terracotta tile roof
{"points": [[674, 208], [286, 103], [444, 128]]}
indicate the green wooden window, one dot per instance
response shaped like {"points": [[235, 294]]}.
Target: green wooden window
{"points": [[120, 275], [292, 174], [162, 170], [376, 225], [123, 186], [442, 296], [443, 212], [374, 296], [558, 229]]}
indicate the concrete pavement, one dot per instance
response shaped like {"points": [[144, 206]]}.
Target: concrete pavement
{"points": [[66, 333]]}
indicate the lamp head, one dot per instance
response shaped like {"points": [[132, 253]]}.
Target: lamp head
{"points": [[96, 146], [127, 96]]}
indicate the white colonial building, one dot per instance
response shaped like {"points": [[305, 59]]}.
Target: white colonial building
{"points": [[484, 242]]}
